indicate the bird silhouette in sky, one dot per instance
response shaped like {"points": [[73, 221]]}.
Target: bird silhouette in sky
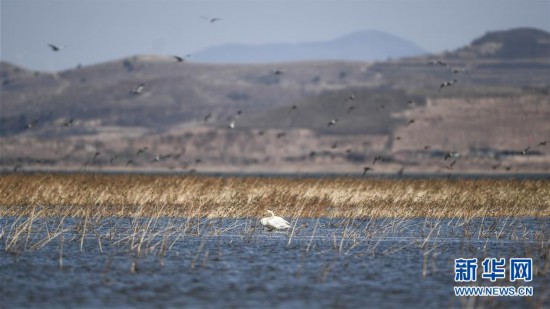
{"points": [[181, 59], [211, 19], [55, 48]]}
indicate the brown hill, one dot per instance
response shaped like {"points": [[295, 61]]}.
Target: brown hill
{"points": [[285, 111], [521, 43], [174, 93]]}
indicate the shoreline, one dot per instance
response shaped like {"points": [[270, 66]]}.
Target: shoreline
{"points": [[292, 175]]}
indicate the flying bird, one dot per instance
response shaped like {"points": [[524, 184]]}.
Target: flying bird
{"points": [[207, 117], [55, 48], [274, 222], [543, 143], [401, 171], [447, 84], [524, 151], [138, 89], [450, 166], [332, 122], [377, 158], [232, 124], [68, 123], [161, 157], [451, 155], [211, 19], [113, 158], [32, 124], [351, 97], [366, 169], [141, 150], [438, 62], [181, 59], [410, 122], [456, 71]]}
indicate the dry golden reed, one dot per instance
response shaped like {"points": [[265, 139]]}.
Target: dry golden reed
{"points": [[101, 195]]}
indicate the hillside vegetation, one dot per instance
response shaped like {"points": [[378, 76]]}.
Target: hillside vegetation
{"points": [[498, 101]]}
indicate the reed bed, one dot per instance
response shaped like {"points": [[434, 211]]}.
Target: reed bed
{"points": [[85, 195], [99, 195]]}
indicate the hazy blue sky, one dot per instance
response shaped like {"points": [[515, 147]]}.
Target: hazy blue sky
{"points": [[101, 30]]}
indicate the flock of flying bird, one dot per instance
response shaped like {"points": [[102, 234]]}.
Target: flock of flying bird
{"points": [[137, 90]]}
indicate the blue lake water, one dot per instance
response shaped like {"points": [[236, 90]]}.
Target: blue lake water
{"points": [[121, 262]]}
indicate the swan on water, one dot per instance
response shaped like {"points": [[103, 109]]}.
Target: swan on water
{"points": [[274, 222]]}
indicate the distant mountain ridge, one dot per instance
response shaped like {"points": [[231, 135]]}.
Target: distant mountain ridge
{"points": [[368, 45]]}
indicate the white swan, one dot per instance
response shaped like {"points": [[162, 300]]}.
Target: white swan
{"points": [[274, 222]]}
